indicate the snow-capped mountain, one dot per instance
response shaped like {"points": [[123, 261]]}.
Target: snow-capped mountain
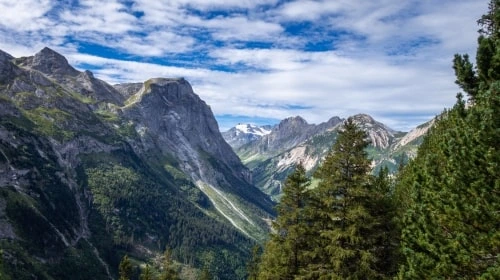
{"points": [[253, 129], [273, 156], [243, 134]]}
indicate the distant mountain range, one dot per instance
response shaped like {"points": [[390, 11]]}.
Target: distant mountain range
{"points": [[272, 156], [90, 172], [243, 134]]}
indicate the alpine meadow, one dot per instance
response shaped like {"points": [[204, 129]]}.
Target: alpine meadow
{"points": [[113, 167]]}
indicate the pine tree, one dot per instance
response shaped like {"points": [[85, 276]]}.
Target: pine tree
{"points": [[3, 274], [125, 269], [466, 76], [253, 264], [385, 232], [347, 247], [146, 273], [284, 256], [205, 274], [273, 262], [168, 273], [451, 213]]}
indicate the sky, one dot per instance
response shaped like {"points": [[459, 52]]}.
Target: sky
{"points": [[260, 61]]}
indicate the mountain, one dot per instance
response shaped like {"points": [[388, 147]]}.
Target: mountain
{"points": [[287, 134], [273, 157], [243, 134], [90, 172]]}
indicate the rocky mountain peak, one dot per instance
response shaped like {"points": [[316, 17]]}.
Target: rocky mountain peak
{"points": [[363, 119], [86, 84], [169, 90], [51, 62], [292, 122], [47, 65], [334, 121], [88, 74], [5, 56], [163, 95], [243, 134], [164, 104], [128, 89], [6, 66], [381, 136], [287, 134]]}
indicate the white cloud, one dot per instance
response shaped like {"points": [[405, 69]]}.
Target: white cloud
{"points": [[240, 28], [310, 10], [389, 58], [328, 84], [104, 17], [202, 5], [25, 15], [223, 27], [268, 59]]}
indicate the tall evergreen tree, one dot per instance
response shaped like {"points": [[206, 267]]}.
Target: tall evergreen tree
{"points": [[385, 232], [146, 273], [3, 274], [253, 264], [466, 76], [451, 217], [347, 247], [205, 274], [168, 273], [125, 269], [284, 256]]}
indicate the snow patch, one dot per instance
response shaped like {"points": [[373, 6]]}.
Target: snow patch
{"points": [[252, 129]]}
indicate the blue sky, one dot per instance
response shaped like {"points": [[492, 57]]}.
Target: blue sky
{"points": [[261, 61]]}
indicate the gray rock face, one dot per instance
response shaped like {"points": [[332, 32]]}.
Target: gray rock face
{"points": [[170, 116], [51, 63], [5, 56], [6, 229], [128, 89], [6, 67], [289, 132], [86, 84], [380, 135], [56, 67], [173, 122]]}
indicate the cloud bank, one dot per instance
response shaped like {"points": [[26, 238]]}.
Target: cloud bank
{"points": [[263, 60]]}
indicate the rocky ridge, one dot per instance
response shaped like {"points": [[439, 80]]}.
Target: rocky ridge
{"points": [[272, 157], [100, 169]]}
